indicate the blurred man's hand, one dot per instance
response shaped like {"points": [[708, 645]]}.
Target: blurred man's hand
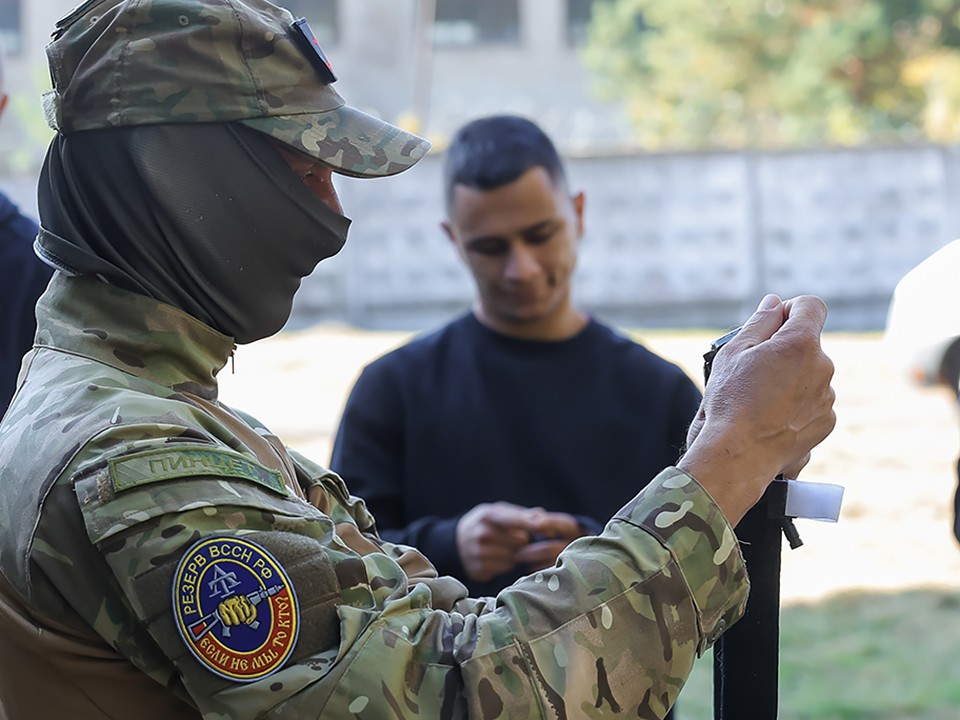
{"points": [[494, 538]]}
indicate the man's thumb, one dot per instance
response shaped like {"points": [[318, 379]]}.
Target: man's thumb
{"points": [[765, 321]]}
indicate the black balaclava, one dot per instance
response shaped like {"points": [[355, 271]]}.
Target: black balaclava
{"points": [[208, 218]]}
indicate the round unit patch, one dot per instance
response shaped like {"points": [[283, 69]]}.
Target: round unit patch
{"points": [[235, 608]]}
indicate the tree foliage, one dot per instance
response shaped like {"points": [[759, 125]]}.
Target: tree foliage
{"points": [[774, 73]]}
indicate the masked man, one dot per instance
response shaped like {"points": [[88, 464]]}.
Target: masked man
{"points": [[164, 555]]}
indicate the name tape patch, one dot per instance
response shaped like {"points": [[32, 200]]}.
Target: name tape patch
{"points": [[235, 608], [151, 466]]}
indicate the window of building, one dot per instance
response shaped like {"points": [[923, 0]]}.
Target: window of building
{"points": [[323, 16], [578, 20], [10, 28], [469, 22]]}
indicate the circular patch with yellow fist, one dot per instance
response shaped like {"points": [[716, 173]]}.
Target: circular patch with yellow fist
{"points": [[235, 608]]}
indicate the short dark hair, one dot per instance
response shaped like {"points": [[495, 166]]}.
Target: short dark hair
{"points": [[493, 151]]}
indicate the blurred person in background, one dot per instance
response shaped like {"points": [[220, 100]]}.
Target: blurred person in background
{"points": [[539, 415], [927, 345], [23, 277], [164, 555]]}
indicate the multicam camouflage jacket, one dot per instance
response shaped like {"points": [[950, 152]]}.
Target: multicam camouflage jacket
{"points": [[165, 556]]}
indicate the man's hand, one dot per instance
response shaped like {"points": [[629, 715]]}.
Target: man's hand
{"points": [[557, 530], [493, 538], [768, 403]]}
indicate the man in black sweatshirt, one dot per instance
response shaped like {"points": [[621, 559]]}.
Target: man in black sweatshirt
{"points": [[494, 441]]}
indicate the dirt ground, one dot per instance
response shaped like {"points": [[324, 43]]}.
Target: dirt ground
{"points": [[893, 450]]}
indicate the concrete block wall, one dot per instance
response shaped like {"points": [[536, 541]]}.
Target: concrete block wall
{"points": [[680, 240]]}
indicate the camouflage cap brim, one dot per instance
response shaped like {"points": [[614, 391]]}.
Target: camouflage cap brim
{"points": [[117, 63], [348, 140]]}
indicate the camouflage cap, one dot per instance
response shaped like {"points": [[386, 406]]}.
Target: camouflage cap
{"points": [[115, 63]]}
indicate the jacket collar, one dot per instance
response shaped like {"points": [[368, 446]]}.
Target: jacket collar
{"points": [[132, 333]]}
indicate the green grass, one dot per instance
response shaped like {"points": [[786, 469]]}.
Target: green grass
{"points": [[860, 656]]}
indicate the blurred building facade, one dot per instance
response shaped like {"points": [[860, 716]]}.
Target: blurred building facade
{"points": [[440, 63], [672, 239], [429, 64]]}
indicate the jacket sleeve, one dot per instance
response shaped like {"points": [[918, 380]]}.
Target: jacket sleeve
{"points": [[613, 628], [23, 277]]}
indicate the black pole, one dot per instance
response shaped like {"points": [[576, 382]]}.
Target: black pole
{"points": [[746, 657]]}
